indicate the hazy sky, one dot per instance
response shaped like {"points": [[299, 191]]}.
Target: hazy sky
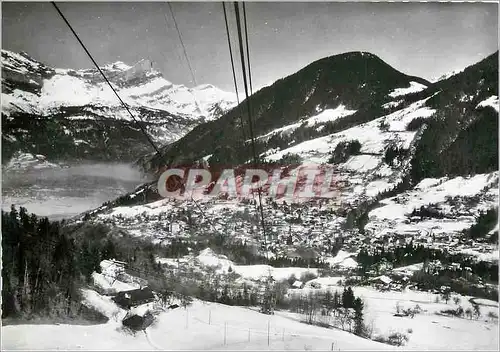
{"points": [[422, 39]]}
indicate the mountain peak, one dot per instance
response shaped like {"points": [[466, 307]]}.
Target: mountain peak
{"points": [[357, 54], [204, 87], [353, 55], [118, 65]]}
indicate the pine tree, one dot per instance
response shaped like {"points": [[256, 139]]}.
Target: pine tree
{"points": [[327, 301], [336, 302], [348, 298], [358, 317], [246, 295]]}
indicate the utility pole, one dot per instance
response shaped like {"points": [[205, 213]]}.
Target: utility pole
{"points": [[225, 331], [268, 330]]}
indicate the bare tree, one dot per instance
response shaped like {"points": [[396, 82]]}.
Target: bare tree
{"points": [[477, 311], [468, 313], [446, 296]]}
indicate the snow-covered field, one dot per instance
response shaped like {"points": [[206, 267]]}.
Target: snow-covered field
{"points": [[319, 119], [491, 101], [254, 272], [429, 331], [413, 88], [211, 326], [200, 326]]}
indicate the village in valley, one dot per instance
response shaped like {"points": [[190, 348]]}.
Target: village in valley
{"points": [[129, 221]]}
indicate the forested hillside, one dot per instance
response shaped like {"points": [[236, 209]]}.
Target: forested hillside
{"points": [[462, 137]]}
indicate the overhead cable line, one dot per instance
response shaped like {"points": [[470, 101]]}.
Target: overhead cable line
{"points": [[249, 111], [143, 129], [167, 27], [232, 67], [231, 53], [105, 78], [248, 50], [123, 103], [182, 43], [185, 55]]}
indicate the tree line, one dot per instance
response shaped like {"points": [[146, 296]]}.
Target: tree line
{"points": [[45, 263], [40, 273], [413, 254]]}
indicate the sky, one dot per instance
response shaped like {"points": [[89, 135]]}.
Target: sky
{"points": [[421, 39]]}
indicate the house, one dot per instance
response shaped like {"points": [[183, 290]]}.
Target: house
{"points": [[132, 298], [298, 284], [137, 322], [383, 280]]}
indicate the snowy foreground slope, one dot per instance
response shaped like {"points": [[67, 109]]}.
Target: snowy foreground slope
{"points": [[429, 330], [203, 325], [187, 329]]}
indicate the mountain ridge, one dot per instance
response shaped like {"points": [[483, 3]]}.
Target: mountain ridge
{"points": [[68, 101], [356, 80]]}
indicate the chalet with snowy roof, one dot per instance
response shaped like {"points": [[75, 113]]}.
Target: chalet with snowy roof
{"points": [[133, 298], [381, 280]]}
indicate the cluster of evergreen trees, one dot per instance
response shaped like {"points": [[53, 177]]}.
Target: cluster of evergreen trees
{"points": [[460, 139], [413, 254], [394, 152], [344, 150], [42, 268], [485, 222], [44, 263], [428, 211]]}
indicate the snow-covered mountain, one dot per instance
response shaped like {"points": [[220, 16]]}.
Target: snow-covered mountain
{"points": [[410, 219], [395, 143], [79, 99], [327, 96]]}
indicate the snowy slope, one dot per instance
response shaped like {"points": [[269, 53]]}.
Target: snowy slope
{"points": [[413, 88], [317, 120], [427, 330], [475, 194], [212, 326], [491, 102], [189, 329], [365, 175]]}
